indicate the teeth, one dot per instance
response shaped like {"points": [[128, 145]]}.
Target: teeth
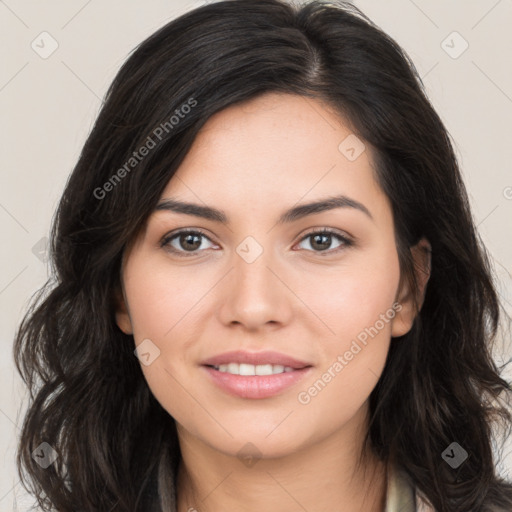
{"points": [[251, 369]]}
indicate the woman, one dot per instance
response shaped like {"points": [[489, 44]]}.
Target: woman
{"points": [[269, 292]]}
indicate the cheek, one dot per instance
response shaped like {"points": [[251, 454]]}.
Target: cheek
{"points": [[357, 304], [160, 300], [353, 297]]}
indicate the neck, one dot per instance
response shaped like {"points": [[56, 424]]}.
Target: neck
{"points": [[321, 476]]}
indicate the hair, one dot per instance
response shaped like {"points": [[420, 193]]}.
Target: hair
{"points": [[117, 448]]}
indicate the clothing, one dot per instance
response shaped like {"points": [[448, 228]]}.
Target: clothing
{"points": [[401, 495]]}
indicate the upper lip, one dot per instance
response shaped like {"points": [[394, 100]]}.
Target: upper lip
{"points": [[255, 358]]}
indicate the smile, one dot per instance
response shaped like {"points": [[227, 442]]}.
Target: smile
{"points": [[251, 369]]}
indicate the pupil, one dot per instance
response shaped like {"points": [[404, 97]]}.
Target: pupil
{"points": [[323, 245], [187, 238]]}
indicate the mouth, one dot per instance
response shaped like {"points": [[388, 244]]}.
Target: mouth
{"points": [[259, 360], [255, 375], [251, 369]]}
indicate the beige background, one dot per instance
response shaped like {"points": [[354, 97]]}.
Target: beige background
{"points": [[48, 107]]}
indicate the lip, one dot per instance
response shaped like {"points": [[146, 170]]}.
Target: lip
{"points": [[255, 386], [266, 357]]}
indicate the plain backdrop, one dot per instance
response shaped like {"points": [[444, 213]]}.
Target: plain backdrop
{"points": [[48, 102]]}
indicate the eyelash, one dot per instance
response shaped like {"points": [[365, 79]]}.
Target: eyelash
{"points": [[346, 242]]}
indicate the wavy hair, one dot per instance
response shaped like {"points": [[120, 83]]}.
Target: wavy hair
{"points": [[117, 448]]}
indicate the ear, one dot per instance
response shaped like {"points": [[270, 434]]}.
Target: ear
{"points": [[404, 318], [122, 314]]}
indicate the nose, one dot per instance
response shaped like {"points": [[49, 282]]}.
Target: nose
{"points": [[256, 293]]}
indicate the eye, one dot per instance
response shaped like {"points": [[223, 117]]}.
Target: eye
{"points": [[322, 240], [188, 242], [184, 241]]}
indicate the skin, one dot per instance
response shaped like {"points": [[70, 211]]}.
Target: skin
{"points": [[255, 161]]}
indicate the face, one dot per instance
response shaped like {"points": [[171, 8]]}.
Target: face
{"points": [[254, 282]]}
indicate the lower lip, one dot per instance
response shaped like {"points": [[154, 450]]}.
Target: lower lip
{"points": [[256, 386]]}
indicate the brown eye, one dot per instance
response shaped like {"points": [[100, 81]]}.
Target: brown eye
{"points": [[189, 241], [321, 241], [184, 241]]}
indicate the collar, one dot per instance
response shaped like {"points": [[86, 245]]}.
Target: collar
{"points": [[400, 496]]}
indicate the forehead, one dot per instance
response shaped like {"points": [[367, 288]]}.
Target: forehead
{"points": [[272, 125], [274, 149]]}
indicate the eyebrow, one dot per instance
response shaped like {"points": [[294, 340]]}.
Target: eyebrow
{"points": [[291, 215]]}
